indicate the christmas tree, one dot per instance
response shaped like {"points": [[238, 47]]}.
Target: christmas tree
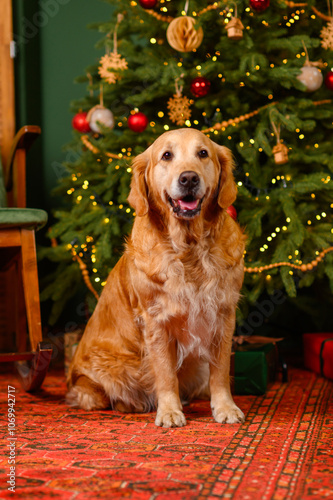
{"points": [[255, 76]]}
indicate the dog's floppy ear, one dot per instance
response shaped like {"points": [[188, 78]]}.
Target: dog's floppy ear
{"points": [[227, 190], [138, 196]]}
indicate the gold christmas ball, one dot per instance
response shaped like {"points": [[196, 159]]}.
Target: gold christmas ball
{"points": [[182, 35]]}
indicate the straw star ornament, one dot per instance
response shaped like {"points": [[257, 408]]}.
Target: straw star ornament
{"points": [[327, 36], [179, 106], [111, 63]]}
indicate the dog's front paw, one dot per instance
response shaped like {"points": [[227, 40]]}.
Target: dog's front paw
{"points": [[228, 414], [170, 418]]}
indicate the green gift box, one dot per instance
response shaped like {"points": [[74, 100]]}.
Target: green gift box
{"points": [[255, 367]]}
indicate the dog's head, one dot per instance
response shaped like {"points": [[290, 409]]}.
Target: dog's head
{"points": [[182, 172]]}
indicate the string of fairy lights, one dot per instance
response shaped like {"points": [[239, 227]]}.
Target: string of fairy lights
{"points": [[120, 160], [126, 153], [297, 265], [218, 5]]}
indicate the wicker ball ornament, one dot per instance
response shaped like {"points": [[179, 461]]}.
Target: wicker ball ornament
{"points": [[182, 35]]}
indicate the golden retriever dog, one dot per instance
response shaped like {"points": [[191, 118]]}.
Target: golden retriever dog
{"points": [[162, 330]]}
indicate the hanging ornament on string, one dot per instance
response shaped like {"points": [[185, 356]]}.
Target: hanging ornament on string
{"points": [[327, 36], [137, 122], [99, 115], [148, 4], [280, 151], [327, 32], [310, 75], [200, 86], [80, 122], [112, 63], [182, 35], [179, 106], [329, 80], [235, 27], [259, 5]]}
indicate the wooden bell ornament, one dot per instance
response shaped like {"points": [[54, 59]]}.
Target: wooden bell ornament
{"points": [[280, 152], [235, 29]]}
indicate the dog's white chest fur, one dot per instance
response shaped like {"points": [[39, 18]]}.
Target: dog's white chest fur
{"points": [[189, 304]]}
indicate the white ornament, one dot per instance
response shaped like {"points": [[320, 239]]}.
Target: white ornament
{"points": [[102, 115], [311, 77]]}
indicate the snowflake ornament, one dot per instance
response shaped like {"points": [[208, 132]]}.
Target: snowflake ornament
{"points": [[110, 62], [179, 107], [327, 36]]}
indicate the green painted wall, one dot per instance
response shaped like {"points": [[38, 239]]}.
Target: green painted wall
{"points": [[54, 47]]}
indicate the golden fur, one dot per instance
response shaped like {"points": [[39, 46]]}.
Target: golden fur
{"points": [[161, 332]]}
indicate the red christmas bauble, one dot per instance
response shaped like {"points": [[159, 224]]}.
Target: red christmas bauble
{"points": [[329, 80], [232, 212], [80, 122], [148, 4], [200, 86], [138, 122], [259, 5]]}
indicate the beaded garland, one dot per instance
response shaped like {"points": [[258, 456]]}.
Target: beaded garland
{"points": [[303, 267], [218, 5]]}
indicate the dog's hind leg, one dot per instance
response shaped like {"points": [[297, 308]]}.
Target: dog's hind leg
{"points": [[87, 395]]}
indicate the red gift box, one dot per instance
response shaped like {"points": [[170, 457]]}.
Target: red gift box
{"points": [[318, 353]]}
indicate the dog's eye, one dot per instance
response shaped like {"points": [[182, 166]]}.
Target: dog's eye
{"points": [[167, 155], [203, 153]]}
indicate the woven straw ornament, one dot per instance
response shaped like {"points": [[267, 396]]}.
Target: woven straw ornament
{"points": [[182, 35], [327, 36]]}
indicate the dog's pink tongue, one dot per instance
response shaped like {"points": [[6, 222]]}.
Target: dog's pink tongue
{"points": [[188, 205]]}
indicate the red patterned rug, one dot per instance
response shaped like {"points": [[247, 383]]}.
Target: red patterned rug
{"points": [[282, 451]]}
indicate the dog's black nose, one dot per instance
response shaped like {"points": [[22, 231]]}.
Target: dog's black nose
{"points": [[188, 179]]}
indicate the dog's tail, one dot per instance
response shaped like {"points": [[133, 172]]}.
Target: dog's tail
{"points": [[87, 395]]}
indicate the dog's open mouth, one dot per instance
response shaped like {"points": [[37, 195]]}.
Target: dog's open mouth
{"points": [[186, 207]]}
